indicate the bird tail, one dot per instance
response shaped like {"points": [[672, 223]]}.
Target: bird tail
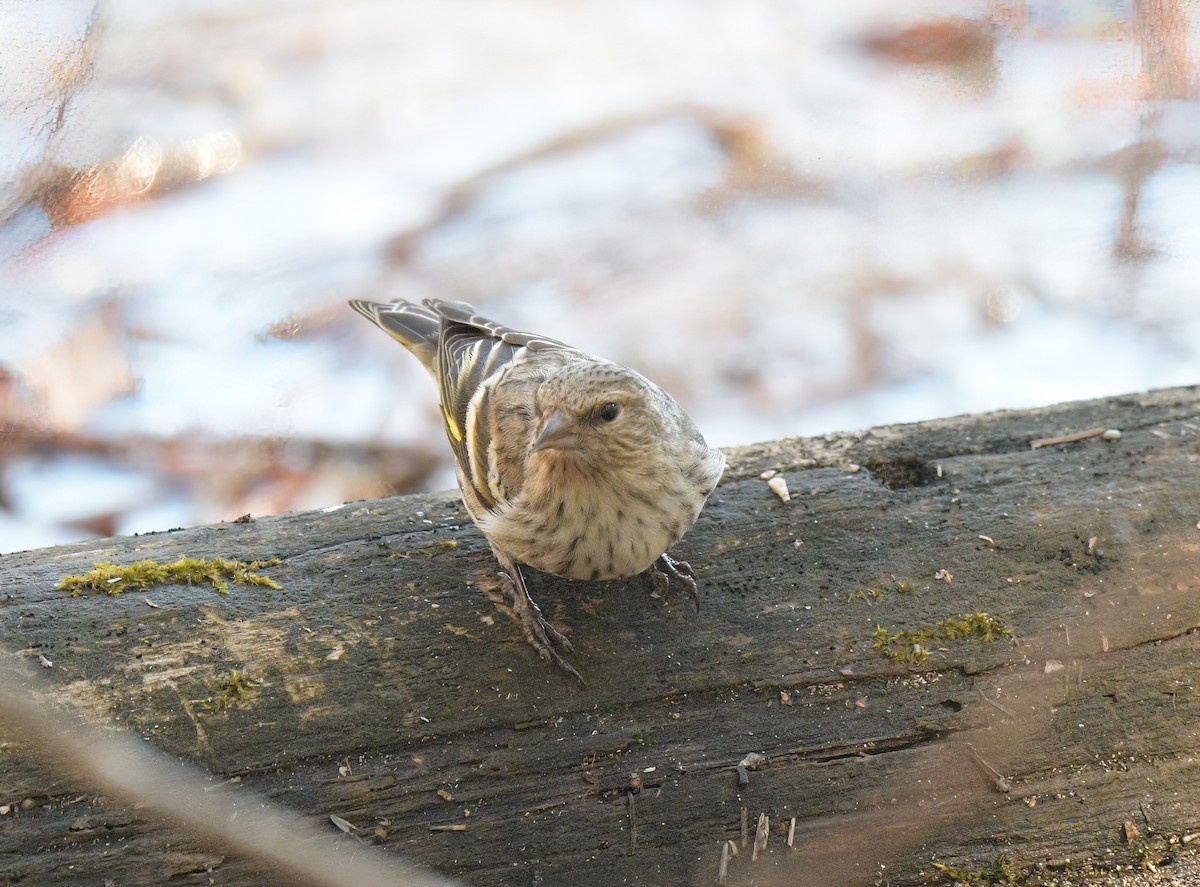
{"points": [[415, 327]]}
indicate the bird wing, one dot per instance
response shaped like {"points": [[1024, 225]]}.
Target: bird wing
{"points": [[474, 355], [414, 326]]}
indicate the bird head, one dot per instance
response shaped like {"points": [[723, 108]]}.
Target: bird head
{"points": [[599, 412]]}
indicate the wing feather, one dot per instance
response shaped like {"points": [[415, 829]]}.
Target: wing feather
{"points": [[469, 356], [474, 356], [416, 327]]}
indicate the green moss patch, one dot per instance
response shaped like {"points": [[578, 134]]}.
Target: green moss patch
{"points": [[229, 690], [217, 572], [910, 647], [999, 874]]}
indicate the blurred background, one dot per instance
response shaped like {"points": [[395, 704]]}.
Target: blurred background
{"points": [[797, 218]]}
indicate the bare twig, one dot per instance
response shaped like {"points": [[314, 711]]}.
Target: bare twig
{"points": [[993, 702], [277, 839], [1067, 438], [996, 777], [632, 803]]}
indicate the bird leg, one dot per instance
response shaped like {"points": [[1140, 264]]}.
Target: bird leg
{"points": [[666, 570], [541, 635]]}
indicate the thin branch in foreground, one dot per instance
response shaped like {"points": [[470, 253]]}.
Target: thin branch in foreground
{"points": [[278, 840]]}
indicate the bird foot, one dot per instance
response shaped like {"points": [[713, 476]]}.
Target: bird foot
{"points": [[667, 571], [549, 642]]}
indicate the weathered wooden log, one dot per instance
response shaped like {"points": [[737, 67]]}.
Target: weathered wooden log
{"points": [[842, 640]]}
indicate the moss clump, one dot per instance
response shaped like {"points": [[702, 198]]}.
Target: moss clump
{"points": [[869, 596], [217, 572], [873, 594], [910, 647], [998, 874], [230, 689]]}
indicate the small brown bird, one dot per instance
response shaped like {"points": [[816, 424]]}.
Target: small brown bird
{"points": [[571, 464]]}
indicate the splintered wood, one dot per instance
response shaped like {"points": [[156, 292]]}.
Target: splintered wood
{"points": [[762, 834], [723, 866]]}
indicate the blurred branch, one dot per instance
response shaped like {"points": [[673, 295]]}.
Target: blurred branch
{"points": [[1161, 29], [279, 840]]}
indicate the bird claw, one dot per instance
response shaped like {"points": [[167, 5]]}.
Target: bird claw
{"points": [[541, 635], [666, 570]]}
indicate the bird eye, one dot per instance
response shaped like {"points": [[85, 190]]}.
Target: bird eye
{"points": [[609, 411]]}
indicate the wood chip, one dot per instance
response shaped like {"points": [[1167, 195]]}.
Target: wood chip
{"points": [[342, 824], [457, 827], [780, 488], [723, 866], [752, 761], [791, 838], [761, 834], [745, 828], [1130, 831]]}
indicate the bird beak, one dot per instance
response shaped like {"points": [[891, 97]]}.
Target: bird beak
{"points": [[556, 433]]}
